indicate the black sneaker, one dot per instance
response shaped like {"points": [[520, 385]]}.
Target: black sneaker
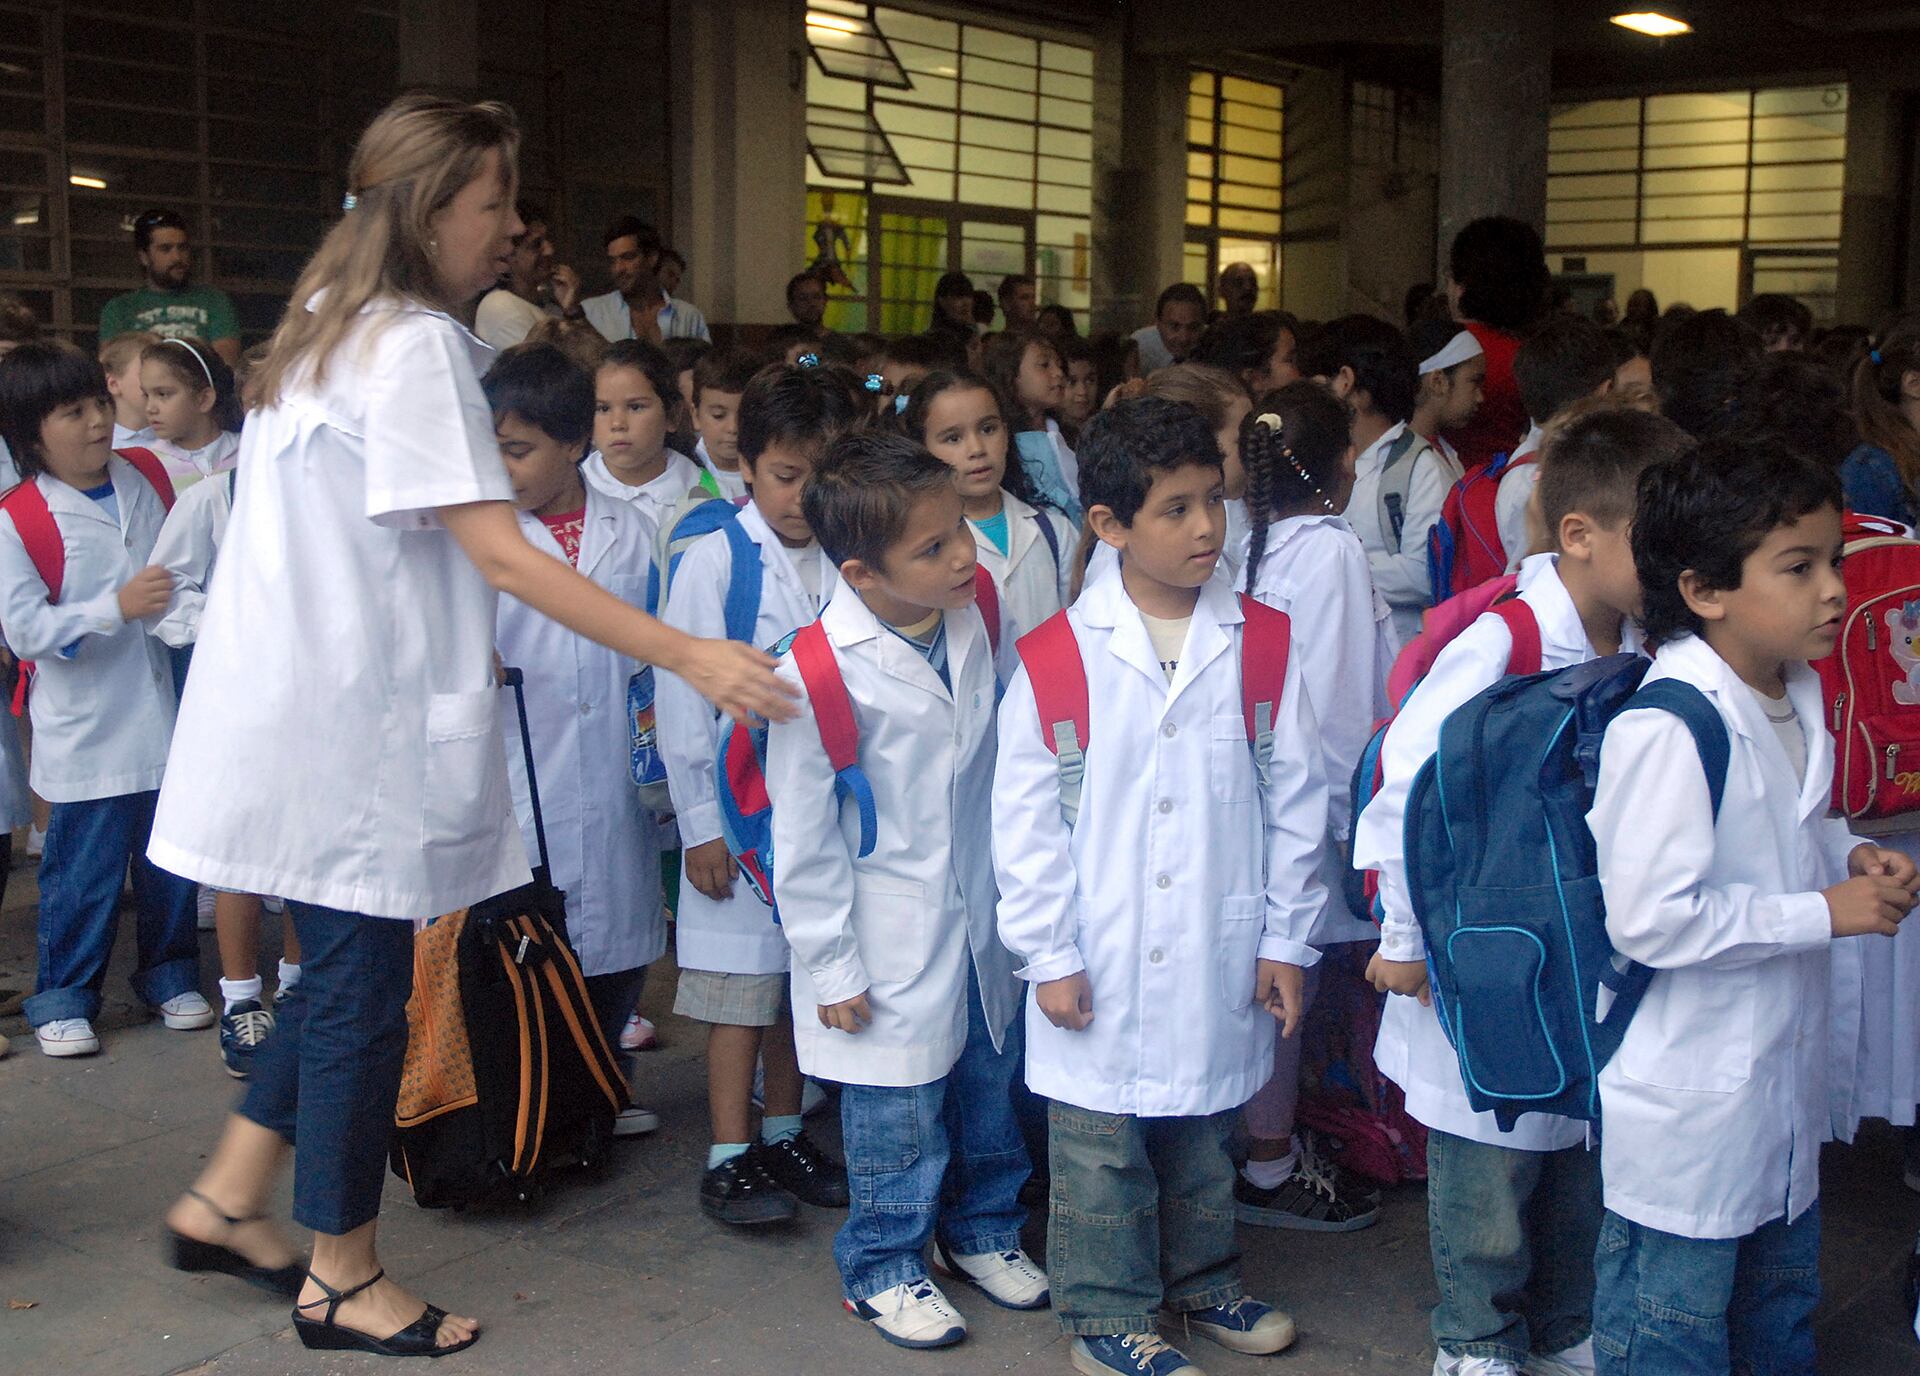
{"points": [[740, 1191], [799, 1167], [1316, 1197]]}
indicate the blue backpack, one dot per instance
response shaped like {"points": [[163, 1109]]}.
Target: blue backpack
{"points": [[1504, 881]]}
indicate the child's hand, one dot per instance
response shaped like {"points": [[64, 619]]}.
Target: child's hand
{"points": [[1893, 864], [1067, 1002], [1281, 989], [711, 869], [1407, 977], [849, 1015], [146, 593], [1868, 905]]}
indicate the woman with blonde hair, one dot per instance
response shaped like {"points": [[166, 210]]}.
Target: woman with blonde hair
{"points": [[339, 741]]}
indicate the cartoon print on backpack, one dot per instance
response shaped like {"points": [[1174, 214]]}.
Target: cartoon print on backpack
{"points": [[1903, 626]]}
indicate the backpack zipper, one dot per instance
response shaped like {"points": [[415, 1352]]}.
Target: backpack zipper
{"points": [[1893, 755]]}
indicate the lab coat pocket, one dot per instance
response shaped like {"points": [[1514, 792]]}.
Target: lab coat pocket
{"points": [[890, 926], [1693, 1032], [1229, 761], [463, 752], [1238, 950]]}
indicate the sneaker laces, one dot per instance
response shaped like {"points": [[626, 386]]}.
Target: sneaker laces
{"points": [[252, 1027], [1144, 1347], [60, 1028], [927, 1293]]}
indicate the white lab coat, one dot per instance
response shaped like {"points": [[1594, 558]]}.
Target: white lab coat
{"points": [[102, 704], [1178, 875], [188, 466], [1716, 1104], [903, 924], [1412, 1050], [1510, 501], [188, 544], [340, 738], [1400, 574], [734, 935], [601, 840], [1876, 1021], [504, 319], [732, 486], [1315, 570], [663, 501], [1031, 586]]}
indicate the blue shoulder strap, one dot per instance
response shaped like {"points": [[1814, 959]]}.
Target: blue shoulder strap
{"points": [[1702, 720], [1051, 536], [743, 585]]}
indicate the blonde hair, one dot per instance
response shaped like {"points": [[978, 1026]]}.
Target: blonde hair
{"points": [[578, 340], [413, 159], [123, 349], [1213, 392]]}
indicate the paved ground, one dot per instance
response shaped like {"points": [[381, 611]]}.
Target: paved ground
{"points": [[621, 1274]]}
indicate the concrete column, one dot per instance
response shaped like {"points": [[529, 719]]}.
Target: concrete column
{"points": [[1315, 197], [1139, 179], [440, 44], [1873, 220], [1496, 67]]}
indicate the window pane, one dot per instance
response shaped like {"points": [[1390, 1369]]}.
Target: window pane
{"points": [[991, 100], [1006, 47]]}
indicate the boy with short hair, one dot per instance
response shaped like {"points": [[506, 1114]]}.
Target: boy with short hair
{"points": [[120, 360], [601, 840], [733, 959], [1716, 1103], [1566, 360], [720, 379], [1162, 926], [901, 988], [1511, 1215]]}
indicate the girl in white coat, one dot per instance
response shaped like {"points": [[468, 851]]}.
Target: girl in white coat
{"points": [[1716, 1104], [340, 741], [635, 394], [1305, 560], [1027, 548], [193, 409], [102, 700]]}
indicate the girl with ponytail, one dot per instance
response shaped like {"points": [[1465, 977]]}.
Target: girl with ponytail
{"points": [[1882, 476]]}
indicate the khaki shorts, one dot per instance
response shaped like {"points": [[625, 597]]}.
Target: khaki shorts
{"points": [[731, 1000]]}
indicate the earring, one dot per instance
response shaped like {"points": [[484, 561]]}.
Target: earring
{"points": [[433, 248]]}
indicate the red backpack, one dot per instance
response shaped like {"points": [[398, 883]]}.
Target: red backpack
{"points": [[26, 506], [1464, 548], [1871, 681]]}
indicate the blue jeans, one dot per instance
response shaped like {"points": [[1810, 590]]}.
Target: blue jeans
{"points": [[613, 996], [89, 847], [1685, 1306], [1142, 1218], [329, 1076], [946, 1154], [1512, 1239]]}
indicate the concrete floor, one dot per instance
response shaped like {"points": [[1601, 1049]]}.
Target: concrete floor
{"points": [[620, 1273]]}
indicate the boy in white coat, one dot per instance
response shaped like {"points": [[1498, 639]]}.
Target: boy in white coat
{"points": [[1566, 360], [1512, 1215], [733, 959], [901, 988], [1716, 1104], [102, 703], [600, 837], [1161, 930]]}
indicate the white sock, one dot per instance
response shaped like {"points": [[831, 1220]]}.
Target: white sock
{"points": [[1267, 1175], [239, 991], [289, 975]]}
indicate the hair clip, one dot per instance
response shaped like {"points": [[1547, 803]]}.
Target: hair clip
{"points": [[349, 201], [807, 360], [900, 403], [1874, 354], [874, 382], [1268, 419]]}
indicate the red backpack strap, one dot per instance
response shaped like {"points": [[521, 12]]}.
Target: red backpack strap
{"points": [[1266, 642], [26, 506], [987, 598], [1524, 627], [1058, 677], [149, 466], [833, 715]]}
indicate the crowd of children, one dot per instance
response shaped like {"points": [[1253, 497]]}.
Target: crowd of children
{"points": [[1114, 678]]}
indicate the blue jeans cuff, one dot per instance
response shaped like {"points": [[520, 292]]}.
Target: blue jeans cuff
{"points": [[1206, 1299], [982, 1244], [907, 1271], [1498, 1351], [1109, 1326], [168, 980], [50, 1005]]}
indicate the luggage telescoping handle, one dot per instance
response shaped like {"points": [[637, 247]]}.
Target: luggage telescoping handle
{"points": [[515, 680]]}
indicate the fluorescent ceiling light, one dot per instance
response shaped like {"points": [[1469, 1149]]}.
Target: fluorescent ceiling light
{"points": [[817, 20], [1653, 24], [91, 183]]}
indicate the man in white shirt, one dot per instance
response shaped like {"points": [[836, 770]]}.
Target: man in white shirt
{"points": [[534, 287], [637, 307], [1179, 319]]}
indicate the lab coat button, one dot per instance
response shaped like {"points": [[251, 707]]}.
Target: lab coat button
{"points": [[1155, 956], [1166, 805], [1163, 882], [585, 708], [1168, 730]]}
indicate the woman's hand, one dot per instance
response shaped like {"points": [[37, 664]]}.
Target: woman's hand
{"points": [[735, 678]]}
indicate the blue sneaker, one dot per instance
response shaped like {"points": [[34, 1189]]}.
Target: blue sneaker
{"points": [[1130, 1354], [243, 1031], [1243, 1325]]}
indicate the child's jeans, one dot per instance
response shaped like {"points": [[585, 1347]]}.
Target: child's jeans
{"points": [[89, 845], [613, 996], [1512, 1239], [1667, 1305], [947, 1154], [1142, 1218]]}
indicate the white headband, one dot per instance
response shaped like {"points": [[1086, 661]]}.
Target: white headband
{"points": [[196, 358], [1459, 349]]}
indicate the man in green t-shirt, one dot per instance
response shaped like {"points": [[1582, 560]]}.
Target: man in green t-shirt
{"points": [[166, 305]]}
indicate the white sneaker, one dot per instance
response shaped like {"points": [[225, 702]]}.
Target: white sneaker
{"points": [[67, 1037], [204, 909], [36, 843], [635, 1122], [1009, 1279], [187, 1012], [1445, 1364], [912, 1315], [639, 1035], [1574, 1361]]}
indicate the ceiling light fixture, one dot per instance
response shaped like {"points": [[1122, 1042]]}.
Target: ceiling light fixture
{"points": [[90, 183], [1653, 24]]}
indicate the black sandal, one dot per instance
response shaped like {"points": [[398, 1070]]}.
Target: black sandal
{"points": [[191, 1254], [417, 1339]]}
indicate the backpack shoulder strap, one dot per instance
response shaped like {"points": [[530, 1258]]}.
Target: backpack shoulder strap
{"points": [[1396, 480], [987, 598], [833, 715], [1702, 721], [1266, 640], [149, 466], [26, 505], [1524, 627], [1058, 677], [742, 608], [1043, 518]]}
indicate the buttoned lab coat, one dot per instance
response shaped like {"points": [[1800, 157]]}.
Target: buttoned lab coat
{"points": [[905, 924], [1031, 585], [734, 935], [102, 705], [1716, 1104], [1179, 874], [186, 549], [601, 840]]}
